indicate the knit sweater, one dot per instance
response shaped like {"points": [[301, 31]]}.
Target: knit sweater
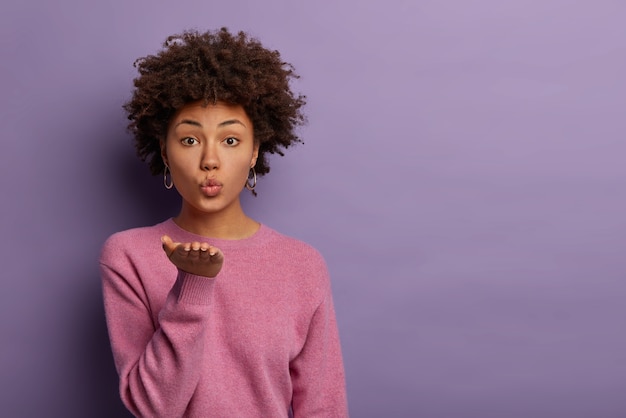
{"points": [[255, 341]]}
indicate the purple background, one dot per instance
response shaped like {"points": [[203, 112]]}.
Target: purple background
{"points": [[463, 174]]}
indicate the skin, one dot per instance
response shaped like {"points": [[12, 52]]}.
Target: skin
{"points": [[209, 149]]}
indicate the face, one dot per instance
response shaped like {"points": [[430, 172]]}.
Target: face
{"points": [[209, 150]]}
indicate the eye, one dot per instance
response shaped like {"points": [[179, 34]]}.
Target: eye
{"points": [[231, 142], [189, 141]]}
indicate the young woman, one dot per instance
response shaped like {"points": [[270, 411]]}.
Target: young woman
{"points": [[210, 313]]}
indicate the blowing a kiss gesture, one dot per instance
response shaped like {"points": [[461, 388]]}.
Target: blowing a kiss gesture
{"points": [[211, 341], [196, 258]]}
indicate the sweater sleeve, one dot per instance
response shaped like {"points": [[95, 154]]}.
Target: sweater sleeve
{"points": [[158, 364], [317, 372]]}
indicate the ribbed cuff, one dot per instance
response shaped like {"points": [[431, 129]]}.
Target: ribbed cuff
{"points": [[194, 290]]}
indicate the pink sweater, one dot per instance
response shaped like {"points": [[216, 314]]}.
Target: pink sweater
{"points": [[259, 338]]}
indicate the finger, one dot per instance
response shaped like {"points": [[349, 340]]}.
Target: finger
{"points": [[169, 246], [215, 253], [204, 251], [204, 254], [195, 250]]}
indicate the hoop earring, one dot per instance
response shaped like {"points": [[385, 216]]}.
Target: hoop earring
{"points": [[165, 183], [251, 186]]}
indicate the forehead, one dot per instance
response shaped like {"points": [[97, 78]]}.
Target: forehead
{"points": [[210, 114]]}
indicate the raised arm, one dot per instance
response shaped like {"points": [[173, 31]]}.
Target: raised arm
{"points": [[158, 363]]}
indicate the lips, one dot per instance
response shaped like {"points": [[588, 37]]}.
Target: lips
{"points": [[211, 187]]}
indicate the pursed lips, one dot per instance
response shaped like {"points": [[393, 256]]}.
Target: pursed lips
{"points": [[210, 183], [211, 187]]}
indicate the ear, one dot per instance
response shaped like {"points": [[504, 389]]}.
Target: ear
{"points": [[255, 154], [163, 152]]}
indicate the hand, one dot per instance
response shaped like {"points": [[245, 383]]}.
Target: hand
{"points": [[196, 258]]}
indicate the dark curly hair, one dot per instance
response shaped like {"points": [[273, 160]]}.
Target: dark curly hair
{"points": [[215, 66]]}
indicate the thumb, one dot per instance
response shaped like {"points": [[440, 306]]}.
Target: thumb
{"points": [[168, 245]]}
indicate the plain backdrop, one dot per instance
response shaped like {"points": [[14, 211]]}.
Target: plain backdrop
{"points": [[463, 174]]}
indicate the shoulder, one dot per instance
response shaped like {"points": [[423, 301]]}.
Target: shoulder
{"points": [[295, 257], [292, 247], [131, 241]]}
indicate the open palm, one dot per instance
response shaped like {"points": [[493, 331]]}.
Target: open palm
{"points": [[199, 258]]}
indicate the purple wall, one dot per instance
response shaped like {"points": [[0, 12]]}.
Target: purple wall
{"points": [[463, 174]]}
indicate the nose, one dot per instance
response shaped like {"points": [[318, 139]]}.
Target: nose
{"points": [[210, 157]]}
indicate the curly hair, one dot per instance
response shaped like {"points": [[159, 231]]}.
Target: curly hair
{"points": [[214, 66]]}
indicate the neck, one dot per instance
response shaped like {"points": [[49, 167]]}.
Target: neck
{"points": [[232, 225]]}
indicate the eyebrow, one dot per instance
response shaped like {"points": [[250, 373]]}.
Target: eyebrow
{"points": [[219, 125]]}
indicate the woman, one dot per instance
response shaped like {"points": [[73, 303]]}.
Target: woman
{"points": [[210, 313]]}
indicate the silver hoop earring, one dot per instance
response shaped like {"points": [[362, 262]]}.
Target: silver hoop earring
{"points": [[251, 176], [165, 183]]}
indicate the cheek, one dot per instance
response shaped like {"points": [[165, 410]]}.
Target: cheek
{"points": [[243, 161], [183, 160], [241, 172], [246, 165]]}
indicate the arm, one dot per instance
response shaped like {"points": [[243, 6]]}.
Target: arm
{"points": [[317, 372], [158, 368], [158, 363]]}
